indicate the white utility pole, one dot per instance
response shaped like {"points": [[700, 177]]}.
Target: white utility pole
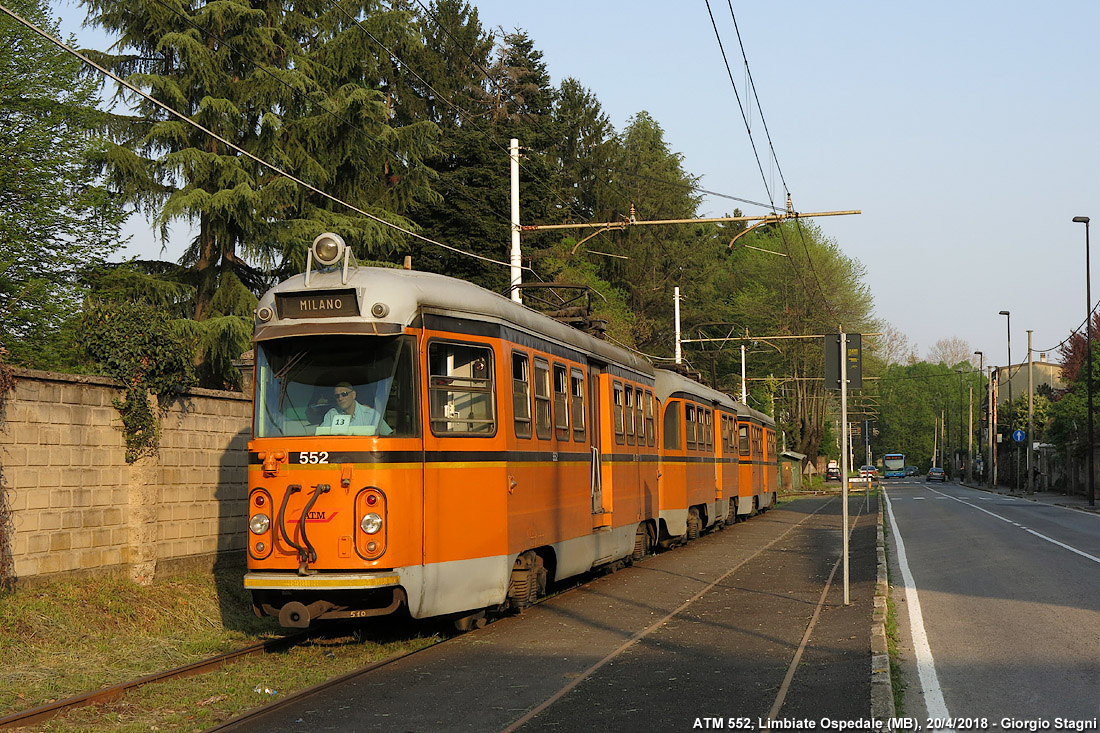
{"points": [[676, 315], [515, 261], [744, 382]]}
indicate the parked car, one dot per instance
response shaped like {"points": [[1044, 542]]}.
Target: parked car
{"points": [[912, 471], [936, 474], [832, 473], [868, 472]]}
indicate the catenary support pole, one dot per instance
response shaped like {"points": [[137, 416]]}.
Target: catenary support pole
{"points": [[515, 260]]}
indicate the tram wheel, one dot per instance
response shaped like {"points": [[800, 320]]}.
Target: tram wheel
{"points": [[642, 543], [694, 523], [528, 580], [469, 622]]}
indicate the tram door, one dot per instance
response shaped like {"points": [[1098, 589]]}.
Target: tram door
{"points": [[601, 488]]}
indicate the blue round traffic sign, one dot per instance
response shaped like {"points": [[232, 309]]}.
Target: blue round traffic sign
{"points": [[1018, 436]]}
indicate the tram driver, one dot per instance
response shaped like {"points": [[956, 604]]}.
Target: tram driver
{"points": [[350, 416]]}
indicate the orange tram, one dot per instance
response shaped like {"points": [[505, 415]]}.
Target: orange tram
{"points": [[421, 442]]}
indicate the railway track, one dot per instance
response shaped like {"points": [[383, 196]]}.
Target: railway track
{"points": [[541, 680], [105, 695]]}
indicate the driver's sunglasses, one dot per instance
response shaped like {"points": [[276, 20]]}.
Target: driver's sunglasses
{"points": [[345, 393]]}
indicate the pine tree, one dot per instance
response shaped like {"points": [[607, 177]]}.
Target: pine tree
{"points": [[301, 86]]}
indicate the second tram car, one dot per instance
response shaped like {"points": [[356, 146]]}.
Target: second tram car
{"points": [[419, 441]]}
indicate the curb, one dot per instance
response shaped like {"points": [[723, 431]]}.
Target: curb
{"points": [[882, 690]]}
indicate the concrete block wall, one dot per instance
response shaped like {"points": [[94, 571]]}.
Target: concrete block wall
{"points": [[77, 506]]}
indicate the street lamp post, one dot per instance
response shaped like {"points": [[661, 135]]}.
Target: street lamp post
{"points": [[981, 448], [959, 429], [1088, 355], [1008, 372]]}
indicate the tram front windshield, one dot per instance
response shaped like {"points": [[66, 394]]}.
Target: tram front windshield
{"points": [[336, 385]]}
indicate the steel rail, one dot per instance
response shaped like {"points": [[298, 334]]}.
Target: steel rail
{"points": [[45, 712], [295, 697]]}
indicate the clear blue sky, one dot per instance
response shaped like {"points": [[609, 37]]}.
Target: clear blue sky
{"points": [[967, 133]]}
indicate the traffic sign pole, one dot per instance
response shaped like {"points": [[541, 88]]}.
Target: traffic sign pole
{"points": [[844, 453]]}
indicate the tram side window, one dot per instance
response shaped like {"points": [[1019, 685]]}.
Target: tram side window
{"points": [[561, 402], [628, 414], [542, 398], [521, 393], [460, 379], [743, 439], [672, 426], [649, 428], [576, 390], [708, 427], [619, 426], [639, 414], [690, 412]]}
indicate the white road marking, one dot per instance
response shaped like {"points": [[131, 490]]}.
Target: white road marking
{"points": [[1040, 535], [926, 664]]}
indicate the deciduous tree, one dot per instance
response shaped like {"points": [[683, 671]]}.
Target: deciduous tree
{"points": [[56, 218]]}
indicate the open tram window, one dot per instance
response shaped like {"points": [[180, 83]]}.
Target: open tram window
{"points": [[521, 393], [460, 389], [743, 439], [628, 414], [650, 430], [561, 402], [576, 390], [299, 380], [639, 414], [620, 429], [542, 399], [690, 412]]}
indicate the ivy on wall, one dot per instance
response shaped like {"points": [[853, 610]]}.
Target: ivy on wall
{"points": [[7, 525], [137, 345]]}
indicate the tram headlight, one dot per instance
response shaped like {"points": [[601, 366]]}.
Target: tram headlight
{"points": [[328, 248], [261, 523], [371, 523]]}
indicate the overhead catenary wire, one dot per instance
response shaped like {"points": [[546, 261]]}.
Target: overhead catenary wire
{"points": [[740, 105], [274, 168], [759, 108], [306, 99], [820, 291]]}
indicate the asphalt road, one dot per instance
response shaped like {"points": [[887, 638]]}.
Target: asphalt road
{"points": [[1009, 602]]}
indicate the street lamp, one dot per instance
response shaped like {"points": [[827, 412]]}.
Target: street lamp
{"points": [[1088, 354], [1011, 409]]}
